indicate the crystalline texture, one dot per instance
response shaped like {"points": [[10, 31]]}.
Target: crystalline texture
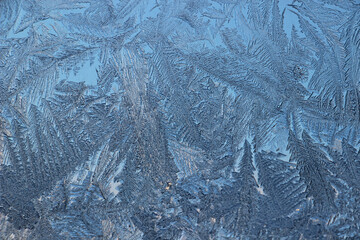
{"points": [[183, 119]]}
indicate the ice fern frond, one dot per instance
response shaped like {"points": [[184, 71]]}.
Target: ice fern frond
{"points": [[281, 184], [313, 166]]}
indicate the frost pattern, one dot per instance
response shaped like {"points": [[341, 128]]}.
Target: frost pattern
{"points": [[191, 119]]}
